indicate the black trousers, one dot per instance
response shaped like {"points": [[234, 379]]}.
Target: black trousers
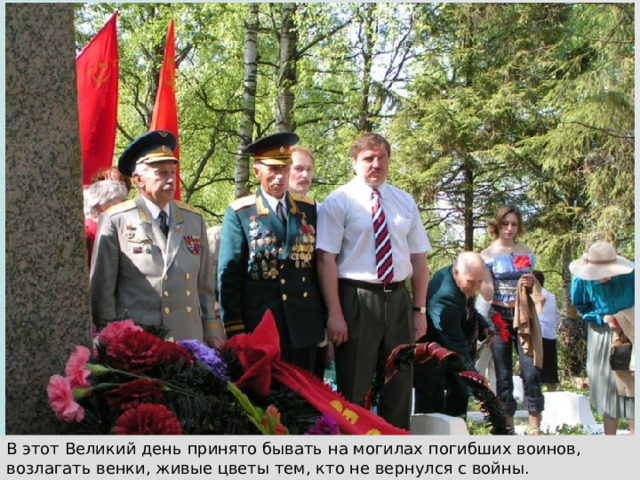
{"points": [[300, 357], [437, 391]]}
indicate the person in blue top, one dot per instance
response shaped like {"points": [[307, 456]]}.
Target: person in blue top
{"points": [[602, 289], [509, 261]]}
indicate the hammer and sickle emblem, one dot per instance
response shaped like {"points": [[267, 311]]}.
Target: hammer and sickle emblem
{"points": [[170, 74], [100, 73]]}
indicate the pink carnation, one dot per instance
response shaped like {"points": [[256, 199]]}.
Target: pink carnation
{"points": [[114, 330], [61, 400], [74, 370]]}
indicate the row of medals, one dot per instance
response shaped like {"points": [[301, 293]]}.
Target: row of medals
{"points": [[301, 252]]}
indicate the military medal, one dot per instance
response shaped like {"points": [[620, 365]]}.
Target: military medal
{"points": [[193, 243]]}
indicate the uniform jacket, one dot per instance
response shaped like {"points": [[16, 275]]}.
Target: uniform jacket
{"points": [[264, 266], [137, 273], [447, 315]]}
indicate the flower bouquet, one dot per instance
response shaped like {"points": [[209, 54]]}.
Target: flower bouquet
{"points": [[136, 382]]}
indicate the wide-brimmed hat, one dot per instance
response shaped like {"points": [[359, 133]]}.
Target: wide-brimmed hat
{"points": [[600, 261]]}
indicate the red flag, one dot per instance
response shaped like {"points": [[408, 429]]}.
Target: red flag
{"points": [[165, 110], [97, 70]]}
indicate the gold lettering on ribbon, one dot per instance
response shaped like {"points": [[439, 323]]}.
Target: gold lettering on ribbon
{"points": [[350, 415], [347, 413], [374, 431]]}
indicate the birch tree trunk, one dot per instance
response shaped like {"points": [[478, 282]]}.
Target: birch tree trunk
{"points": [[249, 83], [287, 76]]}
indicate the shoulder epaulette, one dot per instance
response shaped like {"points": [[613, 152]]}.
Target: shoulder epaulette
{"points": [[243, 202], [121, 207], [302, 198], [187, 207]]}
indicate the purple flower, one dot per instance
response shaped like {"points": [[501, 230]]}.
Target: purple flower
{"points": [[325, 425], [206, 355]]}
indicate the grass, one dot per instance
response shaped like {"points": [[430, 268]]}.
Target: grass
{"points": [[568, 385]]}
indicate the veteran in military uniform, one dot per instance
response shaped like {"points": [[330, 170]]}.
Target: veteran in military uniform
{"points": [[267, 257], [151, 259]]}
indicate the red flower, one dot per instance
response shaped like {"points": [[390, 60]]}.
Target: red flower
{"points": [[135, 352], [280, 430], [271, 421], [148, 419], [501, 326], [61, 400], [171, 352], [139, 351], [74, 370], [115, 329], [131, 394], [521, 262]]}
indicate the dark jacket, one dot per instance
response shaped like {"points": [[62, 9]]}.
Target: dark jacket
{"points": [[264, 266], [447, 321]]}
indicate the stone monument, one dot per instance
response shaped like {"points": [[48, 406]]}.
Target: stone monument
{"points": [[47, 289]]}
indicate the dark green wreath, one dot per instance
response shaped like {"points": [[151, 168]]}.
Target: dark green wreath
{"points": [[450, 362]]}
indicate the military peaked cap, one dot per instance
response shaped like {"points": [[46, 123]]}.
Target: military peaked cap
{"points": [[273, 149], [152, 147]]}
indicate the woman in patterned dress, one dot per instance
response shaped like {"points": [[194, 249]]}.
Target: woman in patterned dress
{"points": [[509, 261]]}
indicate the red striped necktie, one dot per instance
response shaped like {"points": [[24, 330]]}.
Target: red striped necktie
{"points": [[384, 259]]}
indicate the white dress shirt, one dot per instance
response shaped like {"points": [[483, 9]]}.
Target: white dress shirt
{"points": [[273, 203], [550, 316], [154, 210], [345, 227]]}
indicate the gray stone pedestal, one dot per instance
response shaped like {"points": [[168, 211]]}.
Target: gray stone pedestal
{"points": [[47, 295]]}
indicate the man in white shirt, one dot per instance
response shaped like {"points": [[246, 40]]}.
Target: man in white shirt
{"points": [[371, 240]]}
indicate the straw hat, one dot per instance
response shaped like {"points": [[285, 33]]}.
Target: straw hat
{"points": [[600, 261]]}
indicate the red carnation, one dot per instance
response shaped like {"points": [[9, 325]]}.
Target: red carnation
{"points": [[139, 351], [131, 394], [521, 262], [501, 326], [148, 419], [171, 352], [114, 330], [135, 352]]}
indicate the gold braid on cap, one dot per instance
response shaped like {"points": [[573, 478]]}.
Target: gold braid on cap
{"points": [[160, 153], [276, 153]]}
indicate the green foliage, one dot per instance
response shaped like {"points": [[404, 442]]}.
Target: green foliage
{"points": [[484, 104]]}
